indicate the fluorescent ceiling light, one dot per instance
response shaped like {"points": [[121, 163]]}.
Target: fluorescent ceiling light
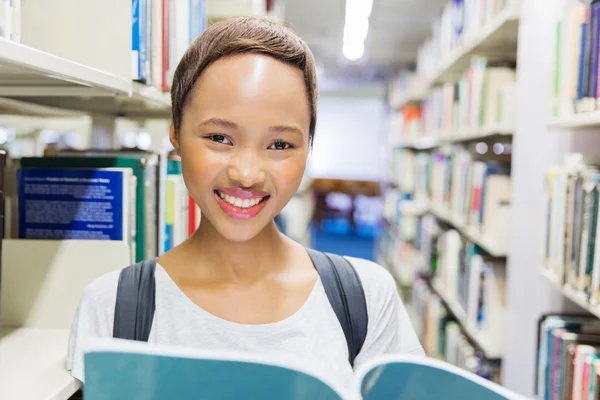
{"points": [[356, 28], [359, 8], [353, 50]]}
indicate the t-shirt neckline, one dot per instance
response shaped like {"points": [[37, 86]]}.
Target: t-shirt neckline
{"points": [[172, 289]]}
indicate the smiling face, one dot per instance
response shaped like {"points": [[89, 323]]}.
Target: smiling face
{"points": [[244, 141]]}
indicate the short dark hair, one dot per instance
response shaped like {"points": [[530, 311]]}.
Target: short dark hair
{"points": [[249, 34]]}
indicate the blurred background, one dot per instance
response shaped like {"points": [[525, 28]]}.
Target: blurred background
{"points": [[456, 146]]}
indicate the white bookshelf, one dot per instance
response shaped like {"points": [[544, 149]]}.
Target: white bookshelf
{"points": [[498, 37], [412, 97], [491, 350], [589, 119], [32, 364], [41, 83], [428, 142], [570, 293], [489, 245], [467, 135]]}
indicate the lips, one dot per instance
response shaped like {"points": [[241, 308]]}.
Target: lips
{"points": [[241, 203]]}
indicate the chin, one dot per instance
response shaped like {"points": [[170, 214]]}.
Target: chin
{"points": [[240, 232]]}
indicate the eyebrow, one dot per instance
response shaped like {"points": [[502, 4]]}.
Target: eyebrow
{"points": [[232, 125], [285, 128], [218, 121]]}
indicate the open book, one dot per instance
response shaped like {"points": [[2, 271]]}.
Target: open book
{"points": [[120, 369]]}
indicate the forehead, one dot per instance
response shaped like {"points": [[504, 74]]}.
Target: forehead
{"points": [[251, 87]]}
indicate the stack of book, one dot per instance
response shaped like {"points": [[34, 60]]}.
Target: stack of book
{"points": [[568, 357], [571, 253], [576, 71], [442, 336], [134, 196], [10, 20], [162, 30]]}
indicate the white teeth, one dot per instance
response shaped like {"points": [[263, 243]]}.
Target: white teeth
{"points": [[241, 203]]}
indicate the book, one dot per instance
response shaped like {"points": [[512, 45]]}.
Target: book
{"points": [[126, 369], [554, 359], [145, 167], [443, 335], [70, 203]]}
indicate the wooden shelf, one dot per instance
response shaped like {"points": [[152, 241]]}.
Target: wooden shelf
{"points": [[40, 79], [498, 37], [32, 364], [475, 334], [570, 293], [589, 119], [469, 232]]}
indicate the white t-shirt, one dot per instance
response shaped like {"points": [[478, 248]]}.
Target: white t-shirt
{"points": [[312, 334]]}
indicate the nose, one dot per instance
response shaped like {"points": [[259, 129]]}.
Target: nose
{"points": [[246, 169]]}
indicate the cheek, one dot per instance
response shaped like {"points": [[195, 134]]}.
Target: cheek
{"points": [[287, 174], [199, 168]]}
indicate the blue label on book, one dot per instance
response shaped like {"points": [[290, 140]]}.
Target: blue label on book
{"points": [[70, 204]]}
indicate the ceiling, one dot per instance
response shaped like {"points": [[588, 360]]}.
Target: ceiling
{"points": [[396, 30]]}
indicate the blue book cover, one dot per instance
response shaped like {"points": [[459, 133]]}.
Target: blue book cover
{"points": [[123, 369], [57, 203], [138, 39], [423, 378]]}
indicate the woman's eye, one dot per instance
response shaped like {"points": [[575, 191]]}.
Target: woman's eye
{"points": [[280, 146], [220, 139]]}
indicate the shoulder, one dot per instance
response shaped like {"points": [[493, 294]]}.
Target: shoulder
{"points": [[374, 278], [99, 296]]}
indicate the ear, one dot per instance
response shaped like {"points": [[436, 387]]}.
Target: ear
{"points": [[174, 138]]}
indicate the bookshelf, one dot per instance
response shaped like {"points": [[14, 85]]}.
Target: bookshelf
{"points": [[40, 82], [491, 351], [428, 142], [498, 36], [460, 96], [28, 71], [570, 293], [32, 364], [470, 233], [590, 119]]}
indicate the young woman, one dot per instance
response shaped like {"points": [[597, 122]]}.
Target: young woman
{"points": [[244, 101]]}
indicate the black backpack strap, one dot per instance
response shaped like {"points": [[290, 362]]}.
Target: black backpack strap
{"points": [[346, 295], [135, 305]]}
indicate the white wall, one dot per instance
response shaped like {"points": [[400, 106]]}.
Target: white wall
{"points": [[535, 149], [349, 139]]}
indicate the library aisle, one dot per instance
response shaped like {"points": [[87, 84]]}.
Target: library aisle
{"points": [[457, 145]]}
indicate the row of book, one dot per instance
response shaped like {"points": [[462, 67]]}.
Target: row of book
{"points": [[10, 20], [162, 30], [459, 21], [474, 192], [475, 282], [403, 84], [576, 72], [442, 336], [571, 249], [482, 99], [568, 357], [134, 196]]}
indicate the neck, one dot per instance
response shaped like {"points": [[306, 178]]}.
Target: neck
{"points": [[221, 259]]}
